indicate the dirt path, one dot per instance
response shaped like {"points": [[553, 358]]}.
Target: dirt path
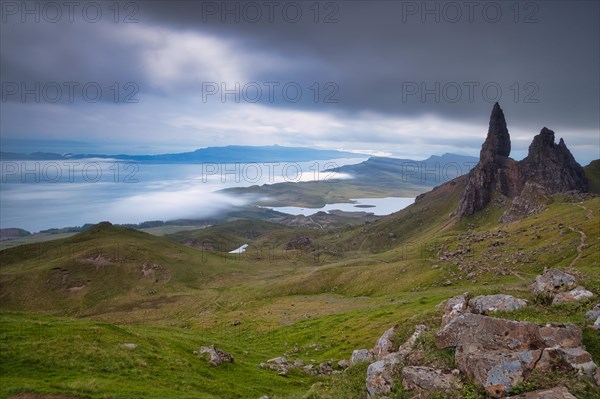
{"points": [[518, 275], [590, 214], [580, 247], [311, 219], [583, 238]]}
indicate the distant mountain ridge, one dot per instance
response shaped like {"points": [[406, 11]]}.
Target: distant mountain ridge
{"points": [[429, 172], [227, 154]]}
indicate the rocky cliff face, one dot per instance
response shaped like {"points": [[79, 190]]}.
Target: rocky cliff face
{"points": [[495, 172], [548, 164], [552, 165]]}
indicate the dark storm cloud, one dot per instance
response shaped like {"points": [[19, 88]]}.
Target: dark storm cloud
{"points": [[378, 51], [393, 59]]}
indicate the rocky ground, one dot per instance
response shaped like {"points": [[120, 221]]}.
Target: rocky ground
{"points": [[496, 355]]}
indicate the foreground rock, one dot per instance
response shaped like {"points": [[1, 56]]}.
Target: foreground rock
{"points": [[216, 356], [497, 353], [496, 370], [486, 304], [488, 332], [380, 374], [554, 393], [423, 379]]}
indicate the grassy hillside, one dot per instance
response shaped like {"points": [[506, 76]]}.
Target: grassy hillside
{"points": [[592, 171], [69, 305]]}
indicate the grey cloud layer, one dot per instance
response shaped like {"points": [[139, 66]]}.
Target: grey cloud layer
{"points": [[374, 53]]}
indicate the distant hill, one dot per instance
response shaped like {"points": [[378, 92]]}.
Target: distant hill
{"points": [[228, 154], [10, 233], [375, 177], [430, 172]]}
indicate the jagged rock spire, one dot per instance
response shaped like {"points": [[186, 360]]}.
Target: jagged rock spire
{"points": [[498, 139], [494, 172]]}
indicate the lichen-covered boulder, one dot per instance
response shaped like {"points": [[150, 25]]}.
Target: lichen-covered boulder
{"points": [[573, 295], [423, 379], [362, 355], [380, 375], [552, 281], [485, 304]]}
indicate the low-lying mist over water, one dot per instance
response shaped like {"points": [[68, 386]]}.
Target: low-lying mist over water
{"points": [[38, 195]]}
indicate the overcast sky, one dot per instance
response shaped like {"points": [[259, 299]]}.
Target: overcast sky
{"points": [[399, 78]]}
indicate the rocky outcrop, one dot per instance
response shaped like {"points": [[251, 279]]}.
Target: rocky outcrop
{"points": [[552, 165], [560, 286], [380, 374], [497, 354], [549, 167], [216, 356], [486, 304], [533, 199], [482, 304]]}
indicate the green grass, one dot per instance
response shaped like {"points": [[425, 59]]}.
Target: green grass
{"points": [[86, 358], [340, 293]]}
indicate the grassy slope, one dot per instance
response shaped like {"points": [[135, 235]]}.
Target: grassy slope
{"points": [[341, 294], [592, 171]]}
